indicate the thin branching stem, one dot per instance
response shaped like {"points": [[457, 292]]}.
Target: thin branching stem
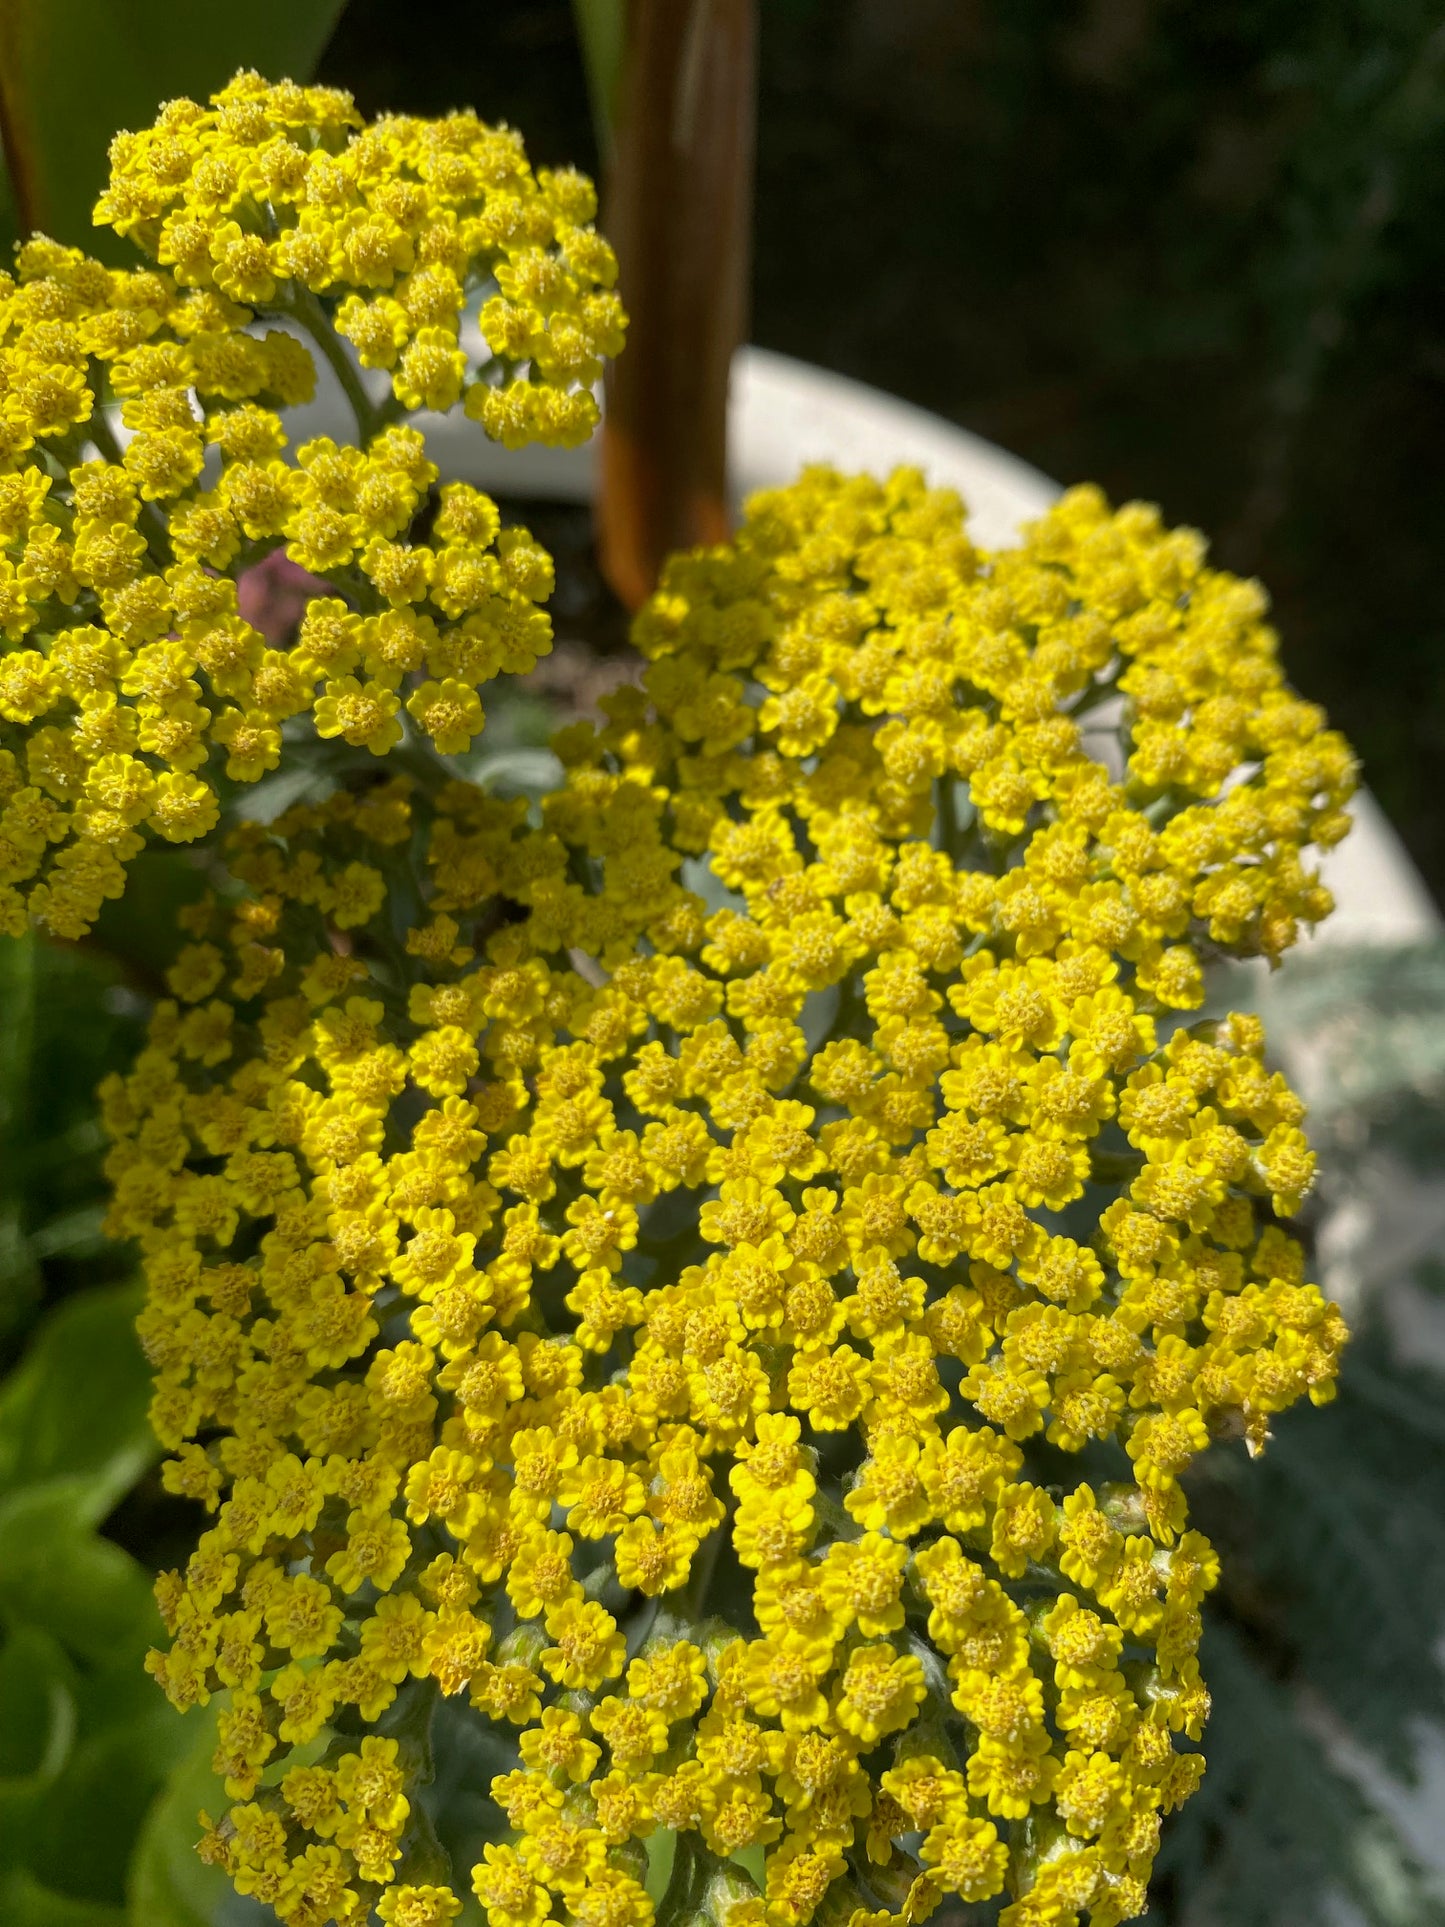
{"points": [[306, 310]]}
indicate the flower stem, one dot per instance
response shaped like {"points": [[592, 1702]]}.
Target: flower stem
{"points": [[309, 314], [99, 431], [704, 1566]]}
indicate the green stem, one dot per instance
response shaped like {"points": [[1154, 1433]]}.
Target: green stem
{"points": [[704, 1565], [834, 1515], [642, 1625], [408, 1720], [684, 1890], [420, 761], [99, 431], [602, 30], [308, 312], [1113, 1167], [1093, 696], [952, 834]]}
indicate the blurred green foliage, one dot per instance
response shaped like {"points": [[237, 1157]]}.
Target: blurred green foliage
{"points": [[602, 34], [87, 1746], [92, 1830], [74, 71], [85, 1743], [66, 1015]]}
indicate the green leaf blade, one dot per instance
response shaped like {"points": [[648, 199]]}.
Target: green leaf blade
{"points": [[75, 72], [75, 1408]]}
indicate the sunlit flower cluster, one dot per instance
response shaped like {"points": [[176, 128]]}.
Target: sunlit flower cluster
{"points": [[274, 196], [146, 461], [723, 1275]]}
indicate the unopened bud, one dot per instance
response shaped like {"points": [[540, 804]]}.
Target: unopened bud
{"points": [[727, 1894], [1123, 1507], [631, 1858], [524, 1647]]}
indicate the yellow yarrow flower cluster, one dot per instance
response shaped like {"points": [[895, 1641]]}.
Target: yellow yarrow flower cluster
{"points": [[132, 690], [276, 195], [726, 1280]]}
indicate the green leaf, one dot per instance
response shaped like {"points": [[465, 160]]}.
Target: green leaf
{"points": [[602, 29], [74, 72], [86, 1827], [38, 1721], [25, 1902], [75, 1407], [37, 1711], [58, 1575], [170, 1886]]}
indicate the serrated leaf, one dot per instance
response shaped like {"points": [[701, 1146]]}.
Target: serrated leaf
{"points": [[73, 73]]}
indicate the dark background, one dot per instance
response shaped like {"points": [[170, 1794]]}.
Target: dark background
{"points": [[1191, 252]]}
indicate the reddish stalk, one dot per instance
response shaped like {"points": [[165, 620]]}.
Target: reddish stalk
{"points": [[678, 212]]}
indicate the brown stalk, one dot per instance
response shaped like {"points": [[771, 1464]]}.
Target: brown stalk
{"points": [[678, 211], [17, 142]]}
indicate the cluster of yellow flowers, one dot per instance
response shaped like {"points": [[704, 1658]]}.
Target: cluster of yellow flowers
{"points": [[275, 194], [725, 1274], [131, 688]]}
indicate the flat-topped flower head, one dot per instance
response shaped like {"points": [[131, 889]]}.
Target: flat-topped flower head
{"points": [[273, 196], [147, 460], [725, 1276]]}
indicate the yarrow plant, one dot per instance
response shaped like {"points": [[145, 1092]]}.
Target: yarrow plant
{"points": [[148, 693], [711, 1282]]}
